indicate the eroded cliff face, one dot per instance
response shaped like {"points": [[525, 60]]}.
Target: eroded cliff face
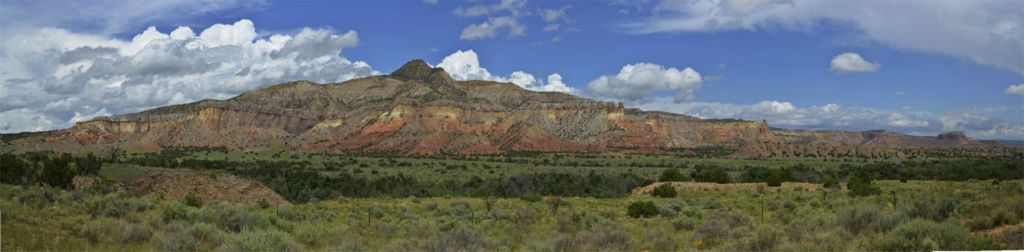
{"points": [[418, 110]]}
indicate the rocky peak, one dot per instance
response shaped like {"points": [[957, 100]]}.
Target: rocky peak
{"points": [[419, 70]]}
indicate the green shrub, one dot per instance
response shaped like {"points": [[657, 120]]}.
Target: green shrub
{"points": [[861, 185], [711, 173], [136, 233], [642, 209], [88, 165], [318, 235], [225, 216], [665, 190], [936, 209], [192, 200], [763, 239], [460, 239], [15, 171], [262, 240], [672, 174], [831, 183], [205, 234], [58, 173], [263, 204], [176, 211], [287, 212], [684, 223], [173, 237], [115, 205], [101, 229], [658, 240], [858, 218], [524, 216], [719, 225], [459, 209], [1004, 216], [893, 220], [921, 235]]}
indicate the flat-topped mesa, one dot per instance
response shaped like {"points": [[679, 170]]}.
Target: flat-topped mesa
{"points": [[419, 70]]}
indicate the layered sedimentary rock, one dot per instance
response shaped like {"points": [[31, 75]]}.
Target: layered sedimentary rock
{"points": [[419, 110]]}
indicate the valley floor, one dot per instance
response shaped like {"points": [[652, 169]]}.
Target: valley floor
{"points": [[915, 215]]}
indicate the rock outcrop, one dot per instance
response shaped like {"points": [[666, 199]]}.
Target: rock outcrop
{"points": [[419, 110]]}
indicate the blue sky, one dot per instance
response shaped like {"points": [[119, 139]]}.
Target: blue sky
{"points": [[918, 67]]}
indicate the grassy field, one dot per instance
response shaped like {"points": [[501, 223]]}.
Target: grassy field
{"points": [[530, 202], [917, 215]]}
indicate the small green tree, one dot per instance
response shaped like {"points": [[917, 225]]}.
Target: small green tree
{"points": [[88, 165], [13, 170], [711, 173], [673, 174], [664, 190], [831, 183], [861, 185], [642, 209], [192, 200], [57, 172]]}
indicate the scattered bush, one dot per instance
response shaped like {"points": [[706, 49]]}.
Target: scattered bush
{"points": [[921, 235], [718, 226], [262, 240], [831, 183], [665, 190], [461, 239], [135, 232], [176, 211], [933, 208], [192, 200], [711, 173], [684, 223], [763, 239], [861, 185], [115, 205], [642, 209], [263, 204], [673, 174], [173, 237], [287, 212], [101, 229], [858, 218]]}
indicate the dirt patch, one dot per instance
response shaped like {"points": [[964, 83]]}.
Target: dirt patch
{"points": [[707, 186], [996, 231], [176, 184]]}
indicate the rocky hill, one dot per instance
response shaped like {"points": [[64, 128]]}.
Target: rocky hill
{"points": [[419, 110]]}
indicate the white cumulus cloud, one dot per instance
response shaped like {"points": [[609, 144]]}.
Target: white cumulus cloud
{"points": [[502, 16], [491, 28], [465, 65], [849, 62], [54, 77], [786, 114], [641, 80], [987, 32], [1015, 89]]}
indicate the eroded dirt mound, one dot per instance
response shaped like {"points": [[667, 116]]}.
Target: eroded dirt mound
{"points": [[176, 184]]}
